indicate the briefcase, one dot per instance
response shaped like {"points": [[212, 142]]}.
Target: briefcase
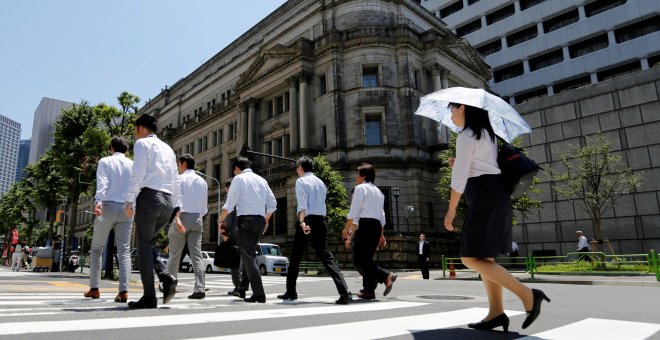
{"points": [[226, 256]]}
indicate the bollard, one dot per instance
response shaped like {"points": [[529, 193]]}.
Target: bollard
{"points": [[452, 273]]}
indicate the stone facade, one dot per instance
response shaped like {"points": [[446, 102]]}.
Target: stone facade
{"points": [[342, 78], [625, 109]]}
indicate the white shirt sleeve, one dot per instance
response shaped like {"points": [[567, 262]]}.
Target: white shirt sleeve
{"points": [[356, 204], [465, 144], [301, 197], [140, 162], [233, 195], [271, 202], [101, 182], [176, 189]]}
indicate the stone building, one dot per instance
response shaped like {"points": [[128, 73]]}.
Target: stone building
{"points": [[626, 110], [342, 78]]}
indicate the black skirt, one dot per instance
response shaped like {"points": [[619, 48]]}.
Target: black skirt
{"points": [[487, 228]]}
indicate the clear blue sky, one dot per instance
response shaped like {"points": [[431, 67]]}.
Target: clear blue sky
{"points": [[93, 50]]}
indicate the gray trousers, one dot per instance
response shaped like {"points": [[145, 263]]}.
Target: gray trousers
{"points": [[152, 212], [113, 218], [250, 229], [193, 237]]}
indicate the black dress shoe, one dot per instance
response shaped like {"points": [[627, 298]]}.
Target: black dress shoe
{"points": [[256, 298], [389, 282], [288, 296], [169, 287], [367, 296], [143, 303], [344, 299], [238, 293], [539, 296], [500, 320], [197, 295]]}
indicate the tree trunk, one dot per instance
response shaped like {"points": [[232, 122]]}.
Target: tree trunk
{"points": [[596, 222]]}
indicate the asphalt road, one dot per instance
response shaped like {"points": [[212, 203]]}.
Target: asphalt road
{"points": [[37, 305]]}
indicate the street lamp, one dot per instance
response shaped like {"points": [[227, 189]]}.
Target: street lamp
{"points": [[219, 192], [396, 192]]}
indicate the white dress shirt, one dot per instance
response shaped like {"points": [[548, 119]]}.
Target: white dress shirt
{"points": [[368, 202], [583, 243], [473, 158], [112, 176], [194, 193], [421, 247], [250, 195], [310, 194], [154, 167]]}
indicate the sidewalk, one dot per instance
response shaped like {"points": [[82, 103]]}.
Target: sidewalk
{"points": [[646, 280]]}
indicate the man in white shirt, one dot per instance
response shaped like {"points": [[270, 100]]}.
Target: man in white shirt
{"points": [[254, 203], [112, 175], [153, 193], [583, 243], [188, 228]]}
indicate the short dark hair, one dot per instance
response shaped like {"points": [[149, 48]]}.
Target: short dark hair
{"points": [[368, 171], [119, 144], [241, 162], [306, 163], [146, 121], [228, 183], [188, 159]]}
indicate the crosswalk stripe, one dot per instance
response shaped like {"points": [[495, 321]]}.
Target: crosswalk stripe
{"points": [[601, 329], [374, 329], [189, 319]]}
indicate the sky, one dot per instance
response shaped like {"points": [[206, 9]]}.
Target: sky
{"points": [[77, 50]]}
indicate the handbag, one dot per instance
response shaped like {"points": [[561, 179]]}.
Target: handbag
{"points": [[518, 170], [226, 256]]}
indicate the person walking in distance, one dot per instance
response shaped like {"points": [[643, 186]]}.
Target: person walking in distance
{"points": [[238, 275], [153, 193], [188, 229], [311, 211], [112, 176], [254, 202], [364, 232], [423, 255], [487, 227]]}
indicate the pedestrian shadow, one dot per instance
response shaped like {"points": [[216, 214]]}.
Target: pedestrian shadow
{"points": [[464, 334]]}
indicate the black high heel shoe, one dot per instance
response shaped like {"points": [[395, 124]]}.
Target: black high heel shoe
{"points": [[500, 320], [539, 296]]}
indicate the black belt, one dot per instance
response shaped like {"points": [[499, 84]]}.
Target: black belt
{"points": [[145, 189]]}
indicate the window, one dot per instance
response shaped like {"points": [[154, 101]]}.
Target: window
{"points": [[188, 148], [214, 139], [279, 105], [572, 84], [470, 2], [654, 61], [619, 70], [468, 28], [490, 48], [200, 146], [324, 138], [417, 79], [522, 36], [451, 9], [216, 171], [596, 7], [581, 48], [500, 14], [230, 135], [521, 98], [525, 4], [369, 76], [205, 143], [637, 29], [220, 137], [508, 72], [269, 105], [372, 129], [286, 102], [545, 60], [560, 21], [322, 85]]}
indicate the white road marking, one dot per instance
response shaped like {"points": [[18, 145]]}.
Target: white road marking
{"points": [[600, 329]]}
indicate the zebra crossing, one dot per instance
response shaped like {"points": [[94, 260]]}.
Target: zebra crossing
{"points": [[62, 314]]}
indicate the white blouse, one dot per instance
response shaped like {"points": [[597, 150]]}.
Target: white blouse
{"points": [[473, 158]]}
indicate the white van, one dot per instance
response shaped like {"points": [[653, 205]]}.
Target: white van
{"points": [[271, 260]]}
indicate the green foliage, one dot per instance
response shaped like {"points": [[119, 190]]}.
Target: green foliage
{"points": [[523, 204], [119, 122], [595, 177], [337, 197]]}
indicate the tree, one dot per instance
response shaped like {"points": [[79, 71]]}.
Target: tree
{"points": [[596, 177], [523, 204], [119, 122], [46, 185], [337, 196]]}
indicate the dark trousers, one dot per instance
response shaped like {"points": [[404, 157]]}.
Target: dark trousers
{"points": [[318, 237], [152, 213], [585, 257], [364, 247], [424, 266], [250, 229]]}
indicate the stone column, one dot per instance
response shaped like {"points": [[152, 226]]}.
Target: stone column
{"points": [[251, 122], [293, 114], [304, 113], [437, 79], [243, 123], [445, 78]]}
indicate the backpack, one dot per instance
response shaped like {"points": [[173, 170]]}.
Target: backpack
{"points": [[518, 170]]}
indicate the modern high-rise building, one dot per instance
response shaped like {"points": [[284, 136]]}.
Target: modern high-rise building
{"points": [[43, 126], [10, 136], [23, 158], [538, 48]]}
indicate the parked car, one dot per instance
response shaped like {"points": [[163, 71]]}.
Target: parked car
{"points": [[209, 267], [271, 260], [134, 261]]}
